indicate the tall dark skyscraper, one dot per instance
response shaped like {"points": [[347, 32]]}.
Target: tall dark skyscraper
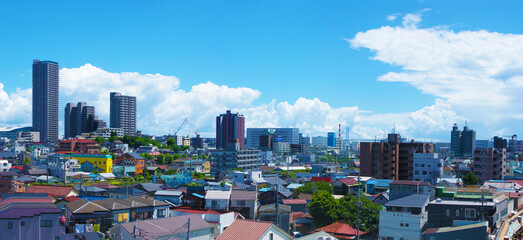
{"points": [[230, 128], [80, 119], [123, 113], [462, 143], [45, 99]]}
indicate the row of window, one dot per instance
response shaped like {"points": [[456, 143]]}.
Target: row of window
{"points": [[469, 213], [43, 223]]}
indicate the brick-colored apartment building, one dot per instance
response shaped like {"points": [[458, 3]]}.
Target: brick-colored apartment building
{"points": [[392, 159]]}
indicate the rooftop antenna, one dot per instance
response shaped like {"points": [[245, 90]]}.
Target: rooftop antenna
{"points": [[394, 128]]}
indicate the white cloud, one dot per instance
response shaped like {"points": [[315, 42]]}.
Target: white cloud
{"points": [[393, 17], [15, 108], [476, 73]]}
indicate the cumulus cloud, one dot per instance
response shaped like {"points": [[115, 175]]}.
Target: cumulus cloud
{"points": [[475, 73], [15, 108]]}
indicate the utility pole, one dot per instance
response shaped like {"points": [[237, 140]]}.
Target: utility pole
{"points": [[189, 228], [277, 205], [358, 208], [482, 207]]}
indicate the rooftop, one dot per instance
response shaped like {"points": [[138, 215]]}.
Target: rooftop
{"points": [[242, 229], [340, 230], [164, 226], [414, 200]]}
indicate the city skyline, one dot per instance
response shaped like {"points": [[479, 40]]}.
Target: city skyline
{"points": [[324, 72]]}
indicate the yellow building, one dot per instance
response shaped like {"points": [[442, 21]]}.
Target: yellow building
{"points": [[89, 162], [186, 141]]}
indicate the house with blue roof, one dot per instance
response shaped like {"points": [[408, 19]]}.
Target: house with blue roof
{"points": [[378, 185], [404, 217], [127, 192]]}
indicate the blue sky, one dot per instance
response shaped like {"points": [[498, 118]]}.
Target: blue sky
{"points": [[282, 50]]}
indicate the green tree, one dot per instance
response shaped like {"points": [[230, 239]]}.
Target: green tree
{"points": [[470, 179], [194, 157], [106, 152], [369, 212], [171, 141], [139, 178], [171, 172], [160, 159], [100, 140], [176, 156], [184, 155], [310, 187], [27, 161], [168, 158], [158, 172], [323, 208], [204, 156]]}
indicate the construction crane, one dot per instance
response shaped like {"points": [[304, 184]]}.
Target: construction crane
{"points": [[190, 125]]}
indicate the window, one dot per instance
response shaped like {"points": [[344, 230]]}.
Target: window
{"points": [[457, 213], [56, 238], [470, 213], [122, 217], [401, 224], [22, 223], [406, 225], [161, 212], [46, 223], [9, 225], [448, 212], [271, 236]]}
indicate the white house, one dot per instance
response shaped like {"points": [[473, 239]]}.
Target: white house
{"points": [[217, 200], [5, 165], [404, 218]]}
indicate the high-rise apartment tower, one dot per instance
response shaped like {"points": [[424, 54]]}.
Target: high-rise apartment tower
{"points": [[230, 128], [123, 113], [45, 99]]}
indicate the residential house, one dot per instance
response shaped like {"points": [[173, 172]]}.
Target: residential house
{"points": [[131, 160], [268, 196], [346, 185], [442, 213], [29, 216], [377, 185], [380, 198], [157, 209], [149, 188], [404, 217], [473, 230], [172, 197], [296, 204], [218, 220], [281, 218], [217, 200], [341, 230], [245, 202], [301, 222], [253, 230], [127, 192], [402, 188], [56, 192], [81, 212], [164, 228]]}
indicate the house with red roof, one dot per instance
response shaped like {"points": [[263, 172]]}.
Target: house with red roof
{"points": [[253, 230], [56, 192], [321, 179], [345, 186], [341, 230]]}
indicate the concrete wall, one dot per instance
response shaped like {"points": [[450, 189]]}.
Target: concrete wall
{"points": [[401, 225]]}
